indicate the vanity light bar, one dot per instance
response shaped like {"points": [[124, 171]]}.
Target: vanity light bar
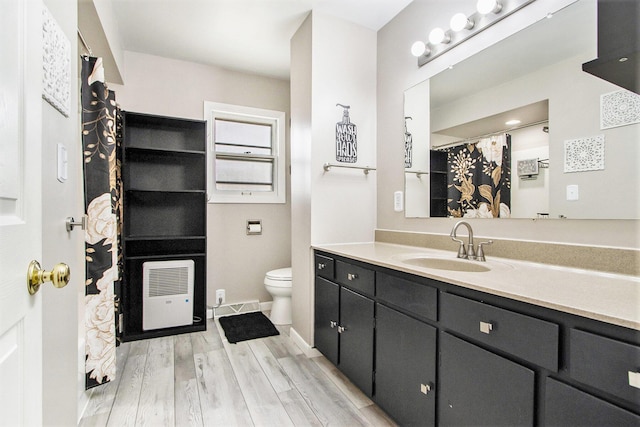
{"points": [[477, 22]]}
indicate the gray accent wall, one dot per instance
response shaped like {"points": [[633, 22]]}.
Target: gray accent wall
{"points": [[236, 262]]}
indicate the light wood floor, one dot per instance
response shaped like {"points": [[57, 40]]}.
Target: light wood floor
{"points": [[200, 379]]}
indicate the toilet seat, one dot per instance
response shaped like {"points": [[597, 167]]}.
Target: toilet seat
{"points": [[279, 275]]}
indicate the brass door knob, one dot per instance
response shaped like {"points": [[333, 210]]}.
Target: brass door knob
{"points": [[36, 276]]}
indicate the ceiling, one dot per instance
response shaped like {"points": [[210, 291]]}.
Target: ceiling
{"points": [[243, 35]]}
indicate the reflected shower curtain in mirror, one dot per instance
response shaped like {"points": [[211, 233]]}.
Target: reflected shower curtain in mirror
{"points": [[479, 178], [102, 201]]}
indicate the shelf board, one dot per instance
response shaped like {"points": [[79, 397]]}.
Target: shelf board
{"points": [[156, 333], [140, 190], [142, 238], [168, 256], [165, 151]]}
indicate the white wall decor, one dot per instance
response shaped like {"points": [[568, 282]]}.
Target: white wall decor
{"points": [[56, 64], [619, 108], [584, 154]]}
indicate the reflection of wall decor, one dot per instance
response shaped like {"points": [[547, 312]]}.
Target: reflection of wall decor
{"points": [[528, 168], [346, 138], [584, 154], [56, 64], [408, 145], [619, 108]]}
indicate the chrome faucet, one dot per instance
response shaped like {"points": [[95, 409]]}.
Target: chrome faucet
{"points": [[469, 252], [462, 252]]}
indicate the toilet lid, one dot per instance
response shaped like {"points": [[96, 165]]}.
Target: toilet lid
{"points": [[280, 274]]}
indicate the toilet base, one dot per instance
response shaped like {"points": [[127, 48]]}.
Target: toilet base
{"points": [[281, 311]]}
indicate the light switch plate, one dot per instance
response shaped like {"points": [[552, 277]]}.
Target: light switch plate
{"points": [[572, 192], [63, 163], [398, 201]]}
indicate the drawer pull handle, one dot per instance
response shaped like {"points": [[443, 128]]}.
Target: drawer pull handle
{"points": [[321, 266], [341, 329], [352, 276], [425, 388], [333, 323], [486, 327], [634, 379]]}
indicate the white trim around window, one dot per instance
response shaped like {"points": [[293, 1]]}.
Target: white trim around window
{"points": [[245, 154]]}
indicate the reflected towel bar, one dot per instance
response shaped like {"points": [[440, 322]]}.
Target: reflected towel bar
{"points": [[365, 169], [418, 173]]}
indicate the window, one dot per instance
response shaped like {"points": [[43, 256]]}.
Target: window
{"points": [[246, 154]]}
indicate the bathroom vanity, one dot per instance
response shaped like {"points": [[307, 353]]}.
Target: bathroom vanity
{"points": [[434, 340]]}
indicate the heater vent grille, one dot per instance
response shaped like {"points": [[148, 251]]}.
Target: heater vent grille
{"points": [[168, 281]]}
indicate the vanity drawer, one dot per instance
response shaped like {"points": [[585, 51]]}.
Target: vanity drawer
{"points": [[356, 277], [610, 365], [324, 266], [523, 336], [409, 296]]}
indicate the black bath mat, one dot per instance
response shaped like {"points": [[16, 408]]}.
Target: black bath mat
{"points": [[248, 326]]}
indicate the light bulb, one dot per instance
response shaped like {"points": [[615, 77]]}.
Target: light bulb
{"points": [[512, 122], [437, 35], [418, 49], [459, 22], [488, 6]]}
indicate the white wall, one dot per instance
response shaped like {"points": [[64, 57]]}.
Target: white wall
{"points": [[574, 101], [398, 70], [333, 61], [529, 197], [235, 261], [63, 309]]}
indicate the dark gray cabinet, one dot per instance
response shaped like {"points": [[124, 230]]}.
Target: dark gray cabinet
{"points": [[606, 364], [502, 329], [478, 387], [344, 320], [405, 379], [356, 339], [568, 406], [434, 353], [327, 317]]}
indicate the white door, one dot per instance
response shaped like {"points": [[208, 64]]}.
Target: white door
{"points": [[20, 211]]}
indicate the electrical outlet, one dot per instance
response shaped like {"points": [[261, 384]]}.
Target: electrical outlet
{"points": [[220, 296]]}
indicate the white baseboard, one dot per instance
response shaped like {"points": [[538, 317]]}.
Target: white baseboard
{"points": [[302, 344], [266, 306]]}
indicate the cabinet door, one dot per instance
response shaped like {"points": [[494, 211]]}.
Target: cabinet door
{"points": [[477, 387], [327, 313], [356, 339], [567, 406], [405, 367]]}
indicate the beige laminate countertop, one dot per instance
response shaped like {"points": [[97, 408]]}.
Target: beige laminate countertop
{"points": [[610, 298]]}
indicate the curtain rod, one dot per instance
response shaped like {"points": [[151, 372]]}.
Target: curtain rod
{"points": [[84, 42], [463, 141]]}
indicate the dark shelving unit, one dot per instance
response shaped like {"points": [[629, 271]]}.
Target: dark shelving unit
{"points": [[438, 183], [164, 185]]}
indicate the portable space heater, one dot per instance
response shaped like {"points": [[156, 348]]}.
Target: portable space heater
{"points": [[167, 288]]}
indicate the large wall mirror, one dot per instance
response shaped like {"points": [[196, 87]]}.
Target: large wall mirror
{"points": [[571, 155]]}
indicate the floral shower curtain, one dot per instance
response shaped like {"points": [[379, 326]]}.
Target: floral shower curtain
{"points": [[479, 178], [102, 205]]}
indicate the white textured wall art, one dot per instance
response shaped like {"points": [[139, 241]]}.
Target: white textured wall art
{"points": [[584, 154], [56, 64], [620, 108]]}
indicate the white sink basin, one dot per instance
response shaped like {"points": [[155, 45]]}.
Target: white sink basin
{"points": [[447, 264]]}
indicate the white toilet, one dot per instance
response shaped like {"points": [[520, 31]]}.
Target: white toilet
{"points": [[278, 284]]}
